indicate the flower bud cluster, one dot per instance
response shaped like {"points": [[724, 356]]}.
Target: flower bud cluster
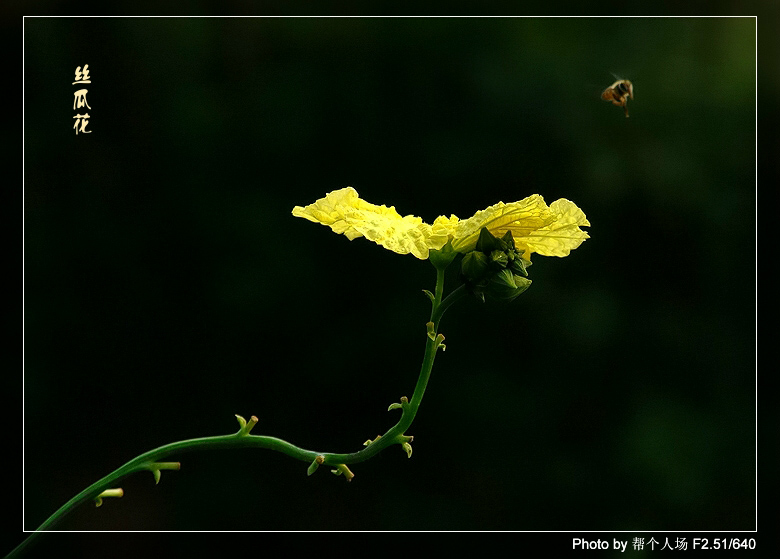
{"points": [[495, 267]]}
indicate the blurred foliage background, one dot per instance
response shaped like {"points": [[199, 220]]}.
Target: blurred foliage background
{"points": [[168, 287]]}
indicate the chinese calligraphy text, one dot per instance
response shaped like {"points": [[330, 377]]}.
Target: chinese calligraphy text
{"points": [[80, 100]]}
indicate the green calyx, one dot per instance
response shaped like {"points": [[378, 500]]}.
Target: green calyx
{"points": [[495, 268], [443, 257]]}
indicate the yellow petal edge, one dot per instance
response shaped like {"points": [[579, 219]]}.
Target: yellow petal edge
{"points": [[549, 231]]}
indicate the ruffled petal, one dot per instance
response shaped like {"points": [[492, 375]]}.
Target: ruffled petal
{"points": [[521, 218], [346, 213], [562, 235]]}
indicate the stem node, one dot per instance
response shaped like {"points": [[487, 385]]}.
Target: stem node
{"points": [[319, 459], [118, 492], [342, 469]]}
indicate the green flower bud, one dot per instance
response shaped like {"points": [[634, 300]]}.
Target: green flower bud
{"points": [[522, 284], [474, 266], [507, 286], [493, 267], [520, 265], [499, 258], [502, 280], [509, 240], [486, 242]]}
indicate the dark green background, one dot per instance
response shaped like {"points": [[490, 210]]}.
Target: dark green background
{"points": [[168, 287]]}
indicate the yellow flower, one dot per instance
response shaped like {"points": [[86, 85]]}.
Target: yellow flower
{"points": [[535, 227]]}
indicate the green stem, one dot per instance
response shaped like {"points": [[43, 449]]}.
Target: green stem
{"points": [[147, 460], [242, 439], [439, 288]]}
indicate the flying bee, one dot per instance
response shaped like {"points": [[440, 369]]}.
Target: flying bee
{"points": [[619, 93]]}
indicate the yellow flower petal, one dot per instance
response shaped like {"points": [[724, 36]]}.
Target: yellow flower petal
{"points": [[345, 212], [562, 235], [521, 218], [535, 227]]}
